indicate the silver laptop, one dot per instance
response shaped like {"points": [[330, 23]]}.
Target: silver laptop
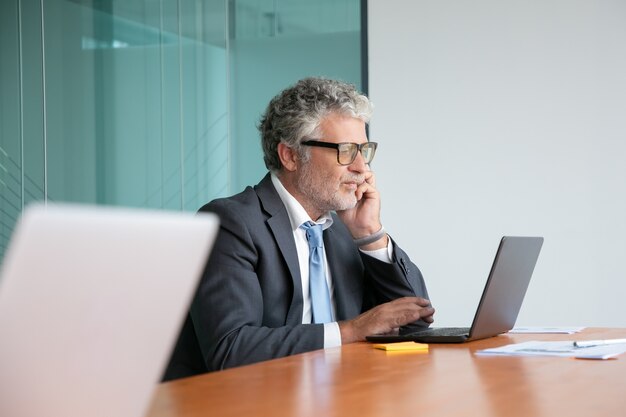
{"points": [[500, 303], [91, 302]]}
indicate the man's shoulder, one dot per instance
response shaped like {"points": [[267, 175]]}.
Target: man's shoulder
{"points": [[249, 202], [245, 200]]}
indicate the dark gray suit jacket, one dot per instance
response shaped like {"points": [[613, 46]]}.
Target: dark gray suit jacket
{"points": [[248, 307]]}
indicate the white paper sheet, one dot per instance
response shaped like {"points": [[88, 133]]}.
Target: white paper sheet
{"points": [[563, 349], [537, 329]]}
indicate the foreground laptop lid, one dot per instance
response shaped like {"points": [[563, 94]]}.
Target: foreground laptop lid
{"points": [[91, 301]]}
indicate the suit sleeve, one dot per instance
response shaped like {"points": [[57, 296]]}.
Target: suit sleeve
{"points": [[389, 281], [229, 311]]}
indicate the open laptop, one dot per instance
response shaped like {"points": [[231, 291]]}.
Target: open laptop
{"points": [[91, 302], [501, 300]]}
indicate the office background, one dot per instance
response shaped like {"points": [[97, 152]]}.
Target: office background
{"points": [[505, 117], [152, 103], [493, 117]]}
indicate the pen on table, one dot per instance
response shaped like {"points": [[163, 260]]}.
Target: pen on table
{"points": [[592, 343]]}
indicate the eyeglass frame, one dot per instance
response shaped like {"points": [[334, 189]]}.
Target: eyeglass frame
{"points": [[336, 146]]}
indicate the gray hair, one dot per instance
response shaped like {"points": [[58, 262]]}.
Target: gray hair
{"points": [[296, 114]]}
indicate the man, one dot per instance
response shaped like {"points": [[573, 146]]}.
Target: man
{"points": [[256, 300]]}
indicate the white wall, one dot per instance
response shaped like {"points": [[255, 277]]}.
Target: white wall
{"points": [[505, 117]]}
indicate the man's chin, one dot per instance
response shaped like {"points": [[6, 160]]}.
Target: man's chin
{"points": [[346, 204]]}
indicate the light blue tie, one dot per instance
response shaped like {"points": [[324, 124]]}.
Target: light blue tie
{"points": [[320, 298]]}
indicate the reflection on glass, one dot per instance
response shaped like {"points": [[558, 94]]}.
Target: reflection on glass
{"points": [[140, 114], [272, 44], [152, 103]]}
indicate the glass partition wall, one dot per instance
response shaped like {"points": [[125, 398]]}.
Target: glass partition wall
{"points": [[152, 103]]}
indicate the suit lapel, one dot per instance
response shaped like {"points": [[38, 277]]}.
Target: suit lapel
{"points": [[278, 222]]}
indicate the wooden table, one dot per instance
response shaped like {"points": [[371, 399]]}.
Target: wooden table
{"points": [[449, 380]]}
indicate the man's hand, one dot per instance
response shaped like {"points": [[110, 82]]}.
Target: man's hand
{"points": [[364, 219], [386, 318]]}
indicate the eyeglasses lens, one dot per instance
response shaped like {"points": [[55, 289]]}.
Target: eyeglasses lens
{"points": [[346, 153], [368, 150]]}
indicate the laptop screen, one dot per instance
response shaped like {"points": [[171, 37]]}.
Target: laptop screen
{"points": [[91, 301]]}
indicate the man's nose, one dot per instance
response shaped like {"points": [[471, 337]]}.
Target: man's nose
{"points": [[359, 164]]}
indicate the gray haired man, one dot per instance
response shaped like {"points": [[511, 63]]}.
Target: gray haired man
{"points": [[302, 261]]}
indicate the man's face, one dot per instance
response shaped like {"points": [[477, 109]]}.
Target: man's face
{"points": [[322, 182]]}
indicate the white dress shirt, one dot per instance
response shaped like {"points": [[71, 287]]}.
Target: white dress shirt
{"points": [[297, 216]]}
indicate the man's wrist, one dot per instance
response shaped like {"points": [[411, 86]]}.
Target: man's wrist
{"points": [[381, 250], [347, 332], [369, 239]]}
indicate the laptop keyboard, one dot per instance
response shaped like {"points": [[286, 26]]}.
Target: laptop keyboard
{"points": [[444, 331]]}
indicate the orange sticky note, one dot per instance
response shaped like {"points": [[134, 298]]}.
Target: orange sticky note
{"points": [[401, 346]]}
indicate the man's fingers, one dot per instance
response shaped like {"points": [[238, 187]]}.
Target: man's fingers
{"points": [[407, 312], [422, 302], [428, 319], [386, 317], [362, 189]]}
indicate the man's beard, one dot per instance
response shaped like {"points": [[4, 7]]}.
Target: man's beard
{"points": [[323, 192]]}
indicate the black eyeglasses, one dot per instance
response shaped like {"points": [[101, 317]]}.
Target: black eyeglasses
{"points": [[346, 151]]}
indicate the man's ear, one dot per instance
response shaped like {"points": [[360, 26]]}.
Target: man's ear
{"points": [[288, 157]]}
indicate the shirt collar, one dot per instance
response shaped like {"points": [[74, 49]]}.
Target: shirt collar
{"points": [[297, 214]]}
